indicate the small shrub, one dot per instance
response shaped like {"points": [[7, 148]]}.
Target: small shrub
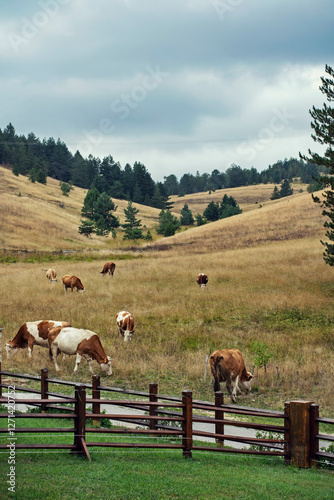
{"points": [[261, 353]]}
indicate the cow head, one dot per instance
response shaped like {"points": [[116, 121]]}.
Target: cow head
{"points": [[10, 350], [127, 335], [106, 366], [247, 382]]}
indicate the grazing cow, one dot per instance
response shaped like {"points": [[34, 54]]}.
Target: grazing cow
{"points": [[72, 282], [31, 333], [109, 267], [125, 324], [51, 275], [83, 343], [202, 280], [227, 365]]}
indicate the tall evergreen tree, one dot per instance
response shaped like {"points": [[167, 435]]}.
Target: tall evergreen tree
{"points": [[323, 126], [211, 212], [88, 209], [286, 189], [132, 225], [168, 223], [186, 218]]}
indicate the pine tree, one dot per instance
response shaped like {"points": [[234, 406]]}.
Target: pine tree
{"points": [[89, 203], [211, 212], [168, 223], [275, 195], [187, 218], [98, 207], [132, 225], [86, 228], [323, 126], [286, 189]]}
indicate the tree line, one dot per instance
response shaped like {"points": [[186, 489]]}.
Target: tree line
{"points": [[38, 159]]}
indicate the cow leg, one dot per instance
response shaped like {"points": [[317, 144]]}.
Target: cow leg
{"points": [[235, 386], [77, 362], [216, 386], [54, 350], [30, 346], [89, 361], [230, 388], [65, 288]]}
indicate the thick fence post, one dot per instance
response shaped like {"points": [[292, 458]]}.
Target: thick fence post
{"points": [[219, 415], [314, 430], [153, 399], [300, 433], [287, 437], [44, 388], [187, 424], [96, 394], [80, 420]]}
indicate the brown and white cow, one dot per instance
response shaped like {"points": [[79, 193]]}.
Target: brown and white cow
{"points": [[32, 333], [126, 325], [51, 275], [109, 267], [72, 282], [202, 280], [227, 365], [83, 343]]}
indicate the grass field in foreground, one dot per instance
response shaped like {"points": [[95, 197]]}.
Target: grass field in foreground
{"points": [[139, 474], [150, 474]]}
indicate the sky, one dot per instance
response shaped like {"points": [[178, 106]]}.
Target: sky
{"points": [[178, 85]]}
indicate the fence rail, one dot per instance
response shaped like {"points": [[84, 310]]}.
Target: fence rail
{"points": [[162, 416]]}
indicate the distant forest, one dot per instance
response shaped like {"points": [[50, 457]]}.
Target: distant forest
{"points": [[38, 159]]}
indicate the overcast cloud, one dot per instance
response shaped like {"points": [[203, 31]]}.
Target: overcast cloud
{"points": [[178, 85]]}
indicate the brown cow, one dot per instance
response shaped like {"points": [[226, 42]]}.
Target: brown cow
{"points": [[72, 282], [31, 333], [227, 365], [109, 267], [83, 343], [125, 324], [51, 275], [202, 280]]}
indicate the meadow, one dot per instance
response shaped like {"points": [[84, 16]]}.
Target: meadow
{"points": [[269, 289]]}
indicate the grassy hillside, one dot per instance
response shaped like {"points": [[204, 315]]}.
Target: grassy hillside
{"points": [[268, 286], [37, 216]]}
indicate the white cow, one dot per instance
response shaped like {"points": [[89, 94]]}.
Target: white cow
{"points": [[83, 343]]}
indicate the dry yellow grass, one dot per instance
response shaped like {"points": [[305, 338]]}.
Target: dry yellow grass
{"points": [[267, 282], [37, 216], [247, 197]]}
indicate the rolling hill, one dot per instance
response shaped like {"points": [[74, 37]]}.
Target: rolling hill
{"points": [[38, 217]]}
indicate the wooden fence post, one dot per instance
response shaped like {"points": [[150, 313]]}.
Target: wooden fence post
{"points": [[287, 437], [0, 379], [187, 424], [44, 388], [80, 420], [314, 430], [152, 410], [300, 433], [219, 415], [96, 394]]}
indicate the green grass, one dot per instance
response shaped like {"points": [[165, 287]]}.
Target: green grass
{"points": [[45, 257], [138, 474], [146, 474]]}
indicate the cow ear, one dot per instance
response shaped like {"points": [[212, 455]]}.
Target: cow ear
{"points": [[250, 376]]}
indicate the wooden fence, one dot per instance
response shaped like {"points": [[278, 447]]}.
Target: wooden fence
{"points": [[296, 438]]}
